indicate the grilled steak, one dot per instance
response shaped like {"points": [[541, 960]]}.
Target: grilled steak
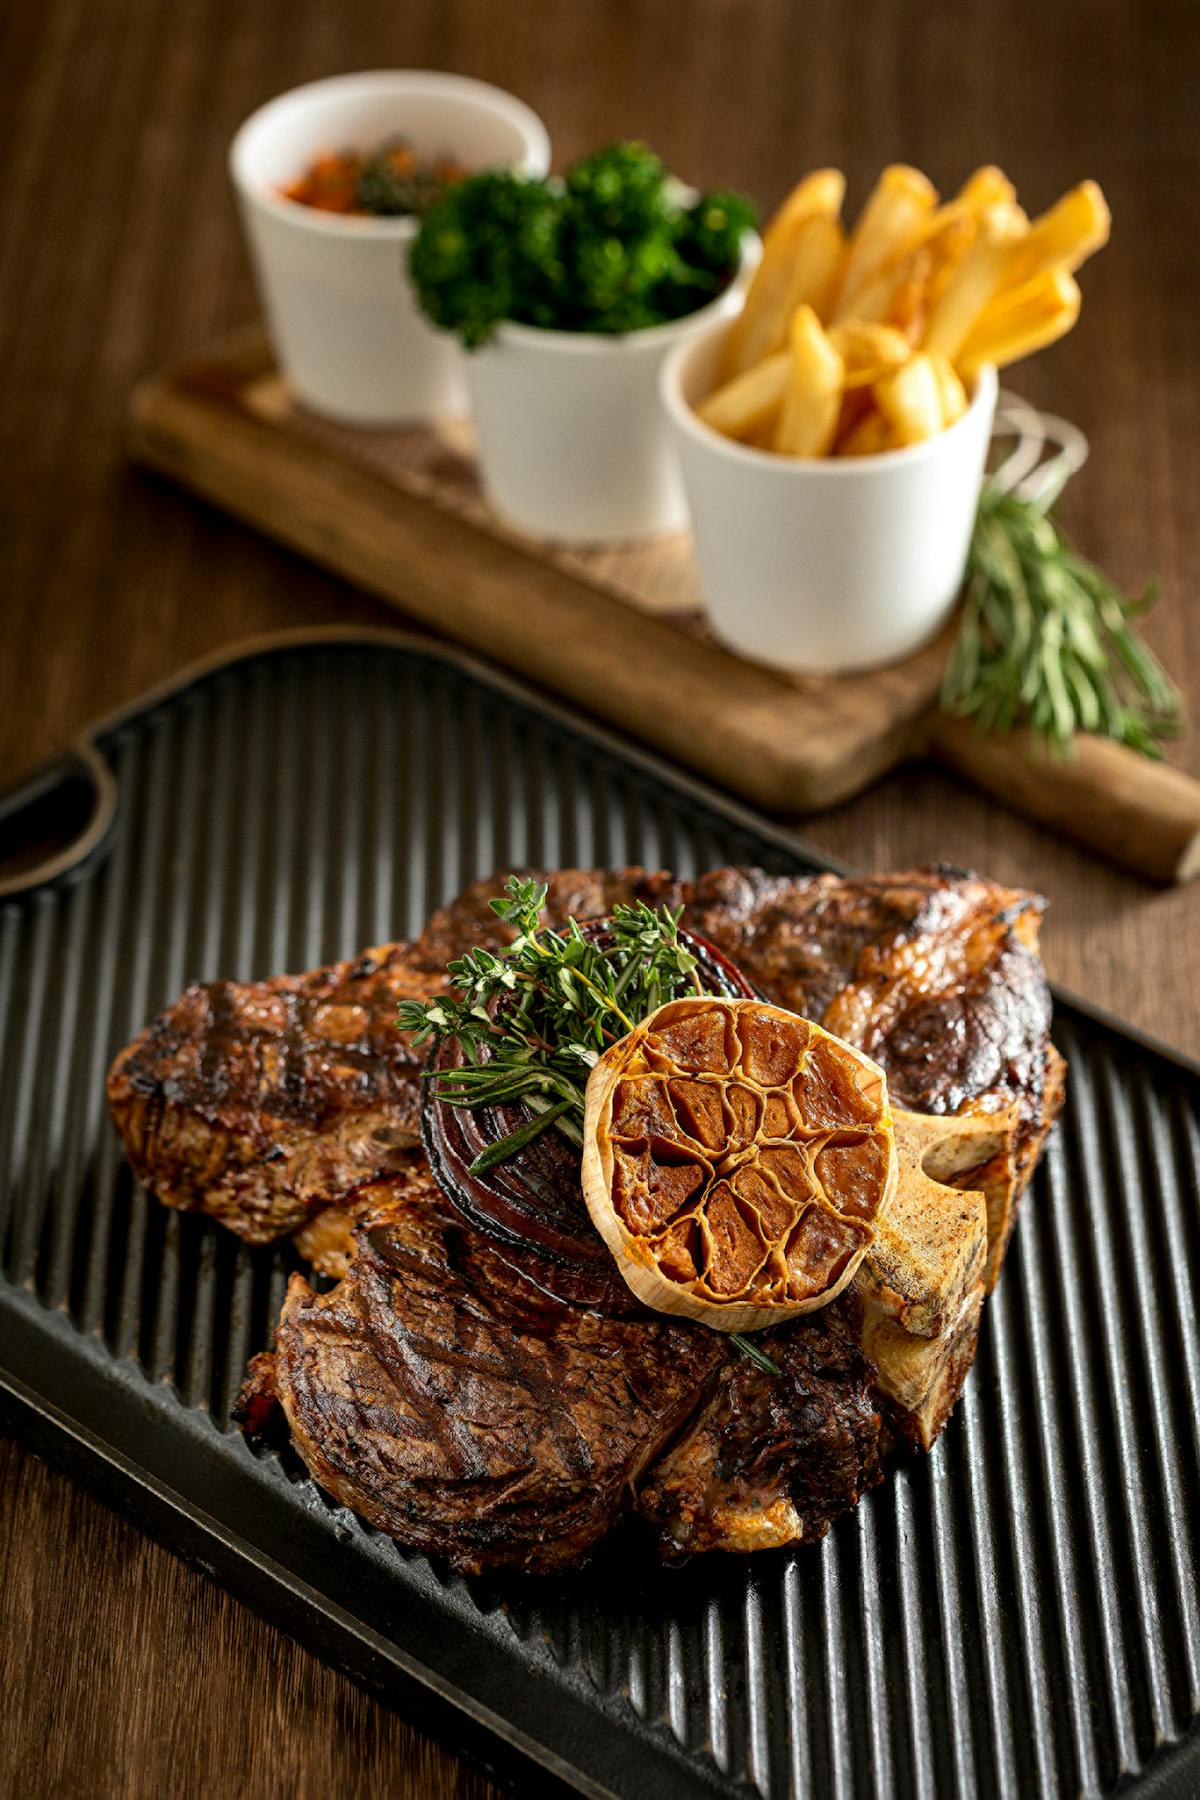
{"points": [[472, 1415], [771, 1459], [466, 1411], [259, 1102], [440, 1390]]}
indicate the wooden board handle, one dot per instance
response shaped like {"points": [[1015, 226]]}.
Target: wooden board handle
{"points": [[1143, 815]]}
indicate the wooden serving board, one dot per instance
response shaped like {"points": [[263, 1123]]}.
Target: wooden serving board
{"points": [[618, 630]]}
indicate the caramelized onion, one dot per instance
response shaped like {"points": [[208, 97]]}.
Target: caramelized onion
{"points": [[531, 1204]]}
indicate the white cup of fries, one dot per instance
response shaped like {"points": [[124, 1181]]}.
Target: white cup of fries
{"points": [[832, 438]]}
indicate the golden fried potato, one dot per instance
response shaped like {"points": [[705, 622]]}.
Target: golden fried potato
{"points": [[812, 402]]}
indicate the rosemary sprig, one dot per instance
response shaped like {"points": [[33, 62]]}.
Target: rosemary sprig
{"points": [[1045, 637], [758, 1357], [532, 1020]]}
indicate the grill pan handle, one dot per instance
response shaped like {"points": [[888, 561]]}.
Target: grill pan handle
{"points": [[72, 798]]}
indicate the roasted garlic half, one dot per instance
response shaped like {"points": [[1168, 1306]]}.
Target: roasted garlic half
{"points": [[736, 1161]]}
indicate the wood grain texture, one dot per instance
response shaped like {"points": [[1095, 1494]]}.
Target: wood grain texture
{"points": [[165, 1685], [773, 740], [119, 253], [785, 743]]}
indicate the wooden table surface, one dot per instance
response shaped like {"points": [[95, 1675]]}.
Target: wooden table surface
{"points": [[122, 1672]]}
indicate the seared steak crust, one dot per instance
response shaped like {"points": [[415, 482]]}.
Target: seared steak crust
{"points": [[469, 1414], [773, 1459], [458, 1405], [259, 1102], [933, 973]]}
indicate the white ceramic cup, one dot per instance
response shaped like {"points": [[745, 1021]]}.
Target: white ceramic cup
{"points": [[340, 308], [825, 565], [573, 444]]}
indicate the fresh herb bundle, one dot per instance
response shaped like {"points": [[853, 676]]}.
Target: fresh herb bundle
{"points": [[532, 1020], [612, 246], [1046, 637]]}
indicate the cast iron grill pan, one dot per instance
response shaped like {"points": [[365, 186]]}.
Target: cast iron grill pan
{"points": [[1015, 1614]]}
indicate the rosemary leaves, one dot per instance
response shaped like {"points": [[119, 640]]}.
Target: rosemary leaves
{"points": [[531, 1020], [1045, 637]]}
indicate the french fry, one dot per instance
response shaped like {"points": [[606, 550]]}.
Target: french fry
{"points": [[819, 195], [803, 250], [902, 201], [856, 403], [910, 399], [976, 279], [868, 351], [988, 186], [904, 291], [1020, 321], [1064, 236], [951, 392], [870, 433], [818, 258], [850, 348], [742, 407], [812, 403], [802, 272]]}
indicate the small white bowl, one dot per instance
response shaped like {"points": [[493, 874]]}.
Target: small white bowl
{"points": [[573, 444], [825, 565], [340, 308]]}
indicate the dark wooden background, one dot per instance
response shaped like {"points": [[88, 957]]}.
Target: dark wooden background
{"points": [[120, 1671]]}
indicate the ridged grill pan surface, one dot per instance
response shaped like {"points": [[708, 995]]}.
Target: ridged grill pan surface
{"points": [[1015, 1614]]}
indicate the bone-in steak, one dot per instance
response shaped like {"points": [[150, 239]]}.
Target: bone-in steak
{"points": [[455, 1403], [262, 1102]]}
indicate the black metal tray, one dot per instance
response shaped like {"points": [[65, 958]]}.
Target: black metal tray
{"points": [[1015, 1614]]}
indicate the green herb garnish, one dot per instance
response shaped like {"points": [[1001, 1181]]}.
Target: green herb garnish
{"points": [[1045, 637], [758, 1357], [533, 1019], [611, 246]]}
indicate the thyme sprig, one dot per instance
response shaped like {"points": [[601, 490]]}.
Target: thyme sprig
{"points": [[531, 1020], [1045, 637]]}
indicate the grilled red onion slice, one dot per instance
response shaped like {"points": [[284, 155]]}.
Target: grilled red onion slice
{"points": [[532, 1204]]}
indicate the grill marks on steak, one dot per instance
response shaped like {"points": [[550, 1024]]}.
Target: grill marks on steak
{"points": [[259, 1102], [470, 1415], [447, 1399], [457, 1407]]}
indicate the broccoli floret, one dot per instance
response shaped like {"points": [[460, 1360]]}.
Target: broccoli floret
{"points": [[488, 251], [710, 233], [621, 192], [608, 248], [617, 242]]}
